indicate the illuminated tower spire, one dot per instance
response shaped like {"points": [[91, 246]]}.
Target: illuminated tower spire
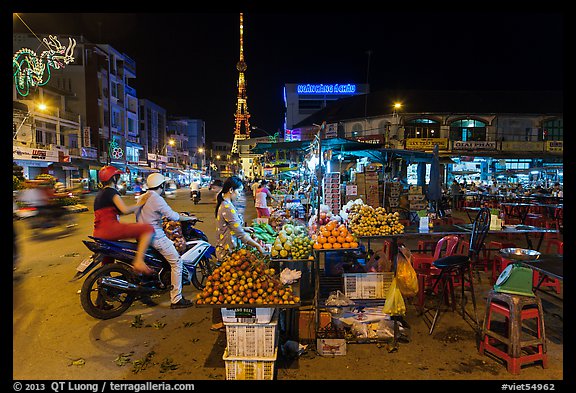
{"points": [[242, 116]]}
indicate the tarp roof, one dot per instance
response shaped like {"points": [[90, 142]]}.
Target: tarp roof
{"points": [[350, 149], [332, 143]]}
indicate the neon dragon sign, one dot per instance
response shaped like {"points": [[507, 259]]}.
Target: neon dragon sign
{"points": [[31, 71]]}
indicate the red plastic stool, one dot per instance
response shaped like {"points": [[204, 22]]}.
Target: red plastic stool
{"points": [[548, 281], [519, 351]]}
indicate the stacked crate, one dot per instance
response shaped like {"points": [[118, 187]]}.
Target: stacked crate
{"points": [[332, 196], [417, 199], [251, 343], [393, 190]]}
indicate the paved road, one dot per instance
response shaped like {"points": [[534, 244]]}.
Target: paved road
{"points": [[50, 328]]}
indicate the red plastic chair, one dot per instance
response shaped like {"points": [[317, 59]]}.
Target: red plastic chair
{"points": [[446, 246]]}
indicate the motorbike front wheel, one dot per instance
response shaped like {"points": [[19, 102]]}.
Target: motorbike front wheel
{"points": [[106, 303]]}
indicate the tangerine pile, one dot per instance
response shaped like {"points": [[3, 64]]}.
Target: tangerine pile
{"points": [[334, 235], [245, 278]]}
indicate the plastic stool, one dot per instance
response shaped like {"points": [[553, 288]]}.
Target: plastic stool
{"points": [[516, 309]]}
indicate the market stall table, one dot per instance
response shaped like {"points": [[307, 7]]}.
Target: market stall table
{"points": [[549, 265], [469, 209], [517, 210], [527, 230]]}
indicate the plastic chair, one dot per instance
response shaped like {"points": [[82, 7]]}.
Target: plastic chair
{"points": [[443, 247], [461, 265], [423, 264]]}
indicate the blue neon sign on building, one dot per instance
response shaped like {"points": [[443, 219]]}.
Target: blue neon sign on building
{"points": [[326, 89]]}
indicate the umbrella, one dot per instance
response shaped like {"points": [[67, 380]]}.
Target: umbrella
{"points": [[434, 192]]}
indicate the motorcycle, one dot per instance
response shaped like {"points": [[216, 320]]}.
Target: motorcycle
{"points": [[195, 196], [39, 218], [112, 288]]}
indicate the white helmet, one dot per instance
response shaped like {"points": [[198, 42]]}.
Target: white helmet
{"points": [[154, 180]]}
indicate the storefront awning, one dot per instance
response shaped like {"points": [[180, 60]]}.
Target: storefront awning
{"points": [[142, 168]]}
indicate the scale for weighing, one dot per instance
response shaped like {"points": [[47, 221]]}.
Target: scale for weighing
{"points": [[516, 279]]}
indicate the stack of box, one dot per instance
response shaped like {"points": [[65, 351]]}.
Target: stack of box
{"points": [[416, 198], [251, 343], [361, 186], [332, 192], [372, 191], [393, 190]]}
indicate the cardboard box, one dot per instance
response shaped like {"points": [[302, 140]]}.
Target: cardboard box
{"points": [[331, 346], [306, 324], [415, 190], [416, 197]]}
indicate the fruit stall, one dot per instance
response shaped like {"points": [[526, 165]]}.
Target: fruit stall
{"points": [[250, 294]]}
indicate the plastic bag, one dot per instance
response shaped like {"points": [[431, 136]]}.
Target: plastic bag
{"points": [[289, 276], [337, 298], [407, 280], [394, 304]]}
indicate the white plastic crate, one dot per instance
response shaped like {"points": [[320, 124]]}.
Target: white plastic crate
{"points": [[247, 315], [367, 285], [243, 368], [251, 339]]}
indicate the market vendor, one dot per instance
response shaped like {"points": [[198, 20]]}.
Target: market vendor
{"points": [[230, 230], [262, 193]]}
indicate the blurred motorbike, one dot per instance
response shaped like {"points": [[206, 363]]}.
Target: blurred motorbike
{"points": [[195, 196], [46, 217]]}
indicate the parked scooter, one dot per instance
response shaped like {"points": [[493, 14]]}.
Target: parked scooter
{"points": [[110, 289]]}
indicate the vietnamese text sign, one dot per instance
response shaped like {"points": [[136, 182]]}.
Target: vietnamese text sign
{"points": [[426, 143], [474, 145], [555, 146], [27, 153]]}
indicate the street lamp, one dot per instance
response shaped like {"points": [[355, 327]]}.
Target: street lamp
{"points": [[170, 142], [395, 122], [271, 137]]}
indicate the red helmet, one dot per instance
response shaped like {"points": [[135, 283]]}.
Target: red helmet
{"points": [[106, 172]]}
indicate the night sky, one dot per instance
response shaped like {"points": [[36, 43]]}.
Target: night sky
{"points": [[186, 62]]}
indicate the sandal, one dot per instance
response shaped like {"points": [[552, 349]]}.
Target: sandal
{"points": [[218, 328]]}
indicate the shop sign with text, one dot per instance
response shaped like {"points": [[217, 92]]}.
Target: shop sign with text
{"points": [[474, 145], [426, 143], [27, 153], [555, 146]]}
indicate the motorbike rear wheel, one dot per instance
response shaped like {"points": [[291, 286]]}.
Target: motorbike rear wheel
{"points": [[107, 303], [203, 269]]}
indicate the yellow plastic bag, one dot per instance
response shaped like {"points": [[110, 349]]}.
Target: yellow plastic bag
{"points": [[405, 273], [394, 304]]}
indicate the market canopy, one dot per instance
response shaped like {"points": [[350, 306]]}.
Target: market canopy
{"points": [[383, 155], [332, 143], [350, 149]]}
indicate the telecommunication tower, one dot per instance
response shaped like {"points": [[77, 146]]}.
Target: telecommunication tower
{"points": [[242, 129]]}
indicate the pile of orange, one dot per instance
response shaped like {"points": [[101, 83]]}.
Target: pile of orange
{"points": [[334, 235]]}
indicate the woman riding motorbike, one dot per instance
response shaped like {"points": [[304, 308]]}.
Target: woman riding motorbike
{"points": [[108, 205]]}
